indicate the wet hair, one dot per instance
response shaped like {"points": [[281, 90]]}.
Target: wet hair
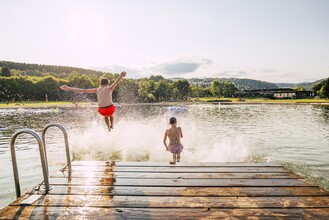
{"points": [[172, 120], [104, 82]]}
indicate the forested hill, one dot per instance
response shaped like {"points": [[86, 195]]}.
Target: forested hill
{"points": [[245, 84], [40, 69], [64, 71], [305, 85], [252, 84]]}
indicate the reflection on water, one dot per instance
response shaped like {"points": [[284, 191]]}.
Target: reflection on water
{"points": [[296, 135]]}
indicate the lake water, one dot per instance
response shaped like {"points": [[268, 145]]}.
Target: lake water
{"points": [[294, 135]]}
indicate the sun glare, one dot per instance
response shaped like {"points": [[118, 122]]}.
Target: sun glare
{"points": [[88, 30]]}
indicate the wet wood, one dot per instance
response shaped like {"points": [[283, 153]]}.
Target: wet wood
{"points": [[181, 164], [39, 212], [203, 169], [187, 191], [181, 202], [149, 190], [180, 182], [184, 169], [196, 164], [127, 175]]}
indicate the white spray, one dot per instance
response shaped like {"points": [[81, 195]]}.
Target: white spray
{"points": [[141, 139]]}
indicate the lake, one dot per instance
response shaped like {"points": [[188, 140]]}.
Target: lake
{"points": [[294, 135]]}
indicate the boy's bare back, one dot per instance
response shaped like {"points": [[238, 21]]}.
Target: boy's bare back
{"points": [[174, 135]]}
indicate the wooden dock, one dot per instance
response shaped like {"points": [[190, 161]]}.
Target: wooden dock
{"points": [[151, 190]]}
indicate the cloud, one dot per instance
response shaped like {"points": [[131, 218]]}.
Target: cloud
{"points": [[181, 66], [177, 67], [131, 72], [230, 73]]}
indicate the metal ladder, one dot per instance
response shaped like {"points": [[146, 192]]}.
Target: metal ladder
{"points": [[68, 159], [43, 155]]}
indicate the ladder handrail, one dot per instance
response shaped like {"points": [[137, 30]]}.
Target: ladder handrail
{"points": [[68, 158], [42, 156]]}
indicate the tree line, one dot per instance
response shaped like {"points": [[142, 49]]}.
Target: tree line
{"points": [[31, 82], [33, 85], [322, 88]]}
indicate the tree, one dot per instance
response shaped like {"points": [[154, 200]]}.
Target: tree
{"points": [[163, 91], [146, 88], [196, 90], [81, 81], [127, 91], [183, 89], [229, 89], [150, 98], [5, 71], [324, 91], [206, 92], [299, 88], [317, 87], [216, 88], [322, 88], [48, 85], [156, 78]]}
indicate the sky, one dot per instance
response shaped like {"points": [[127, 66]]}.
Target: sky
{"points": [[270, 40]]}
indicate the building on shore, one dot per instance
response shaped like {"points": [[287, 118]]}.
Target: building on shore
{"points": [[275, 94]]}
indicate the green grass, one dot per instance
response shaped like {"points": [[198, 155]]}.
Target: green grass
{"points": [[260, 100], [38, 104]]}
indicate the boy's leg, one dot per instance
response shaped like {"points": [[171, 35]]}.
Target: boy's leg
{"points": [[178, 157], [174, 159], [111, 120], [107, 122]]}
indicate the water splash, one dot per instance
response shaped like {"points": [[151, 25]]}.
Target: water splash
{"points": [[141, 139]]}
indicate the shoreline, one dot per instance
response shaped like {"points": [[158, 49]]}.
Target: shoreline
{"points": [[94, 104]]}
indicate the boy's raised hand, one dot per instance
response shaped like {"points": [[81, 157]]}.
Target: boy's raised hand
{"points": [[123, 74], [64, 87]]}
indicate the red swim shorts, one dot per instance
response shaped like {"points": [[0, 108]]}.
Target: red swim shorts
{"points": [[107, 111]]}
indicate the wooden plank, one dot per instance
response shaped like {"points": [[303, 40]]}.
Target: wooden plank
{"points": [[166, 164], [90, 162], [187, 191], [83, 174], [202, 169], [183, 175], [219, 191], [183, 202], [40, 212], [180, 182], [183, 169], [195, 164]]}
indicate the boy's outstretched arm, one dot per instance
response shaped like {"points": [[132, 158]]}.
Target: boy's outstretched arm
{"points": [[67, 88], [115, 83]]}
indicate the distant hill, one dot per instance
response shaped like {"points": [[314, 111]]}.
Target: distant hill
{"points": [[305, 85], [243, 84], [48, 68]]}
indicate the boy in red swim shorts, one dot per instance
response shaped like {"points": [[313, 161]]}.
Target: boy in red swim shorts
{"points": [[104, 96]]}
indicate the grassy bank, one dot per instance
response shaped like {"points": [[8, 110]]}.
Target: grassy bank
{"points": [[260, 100], [42, 104]]}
